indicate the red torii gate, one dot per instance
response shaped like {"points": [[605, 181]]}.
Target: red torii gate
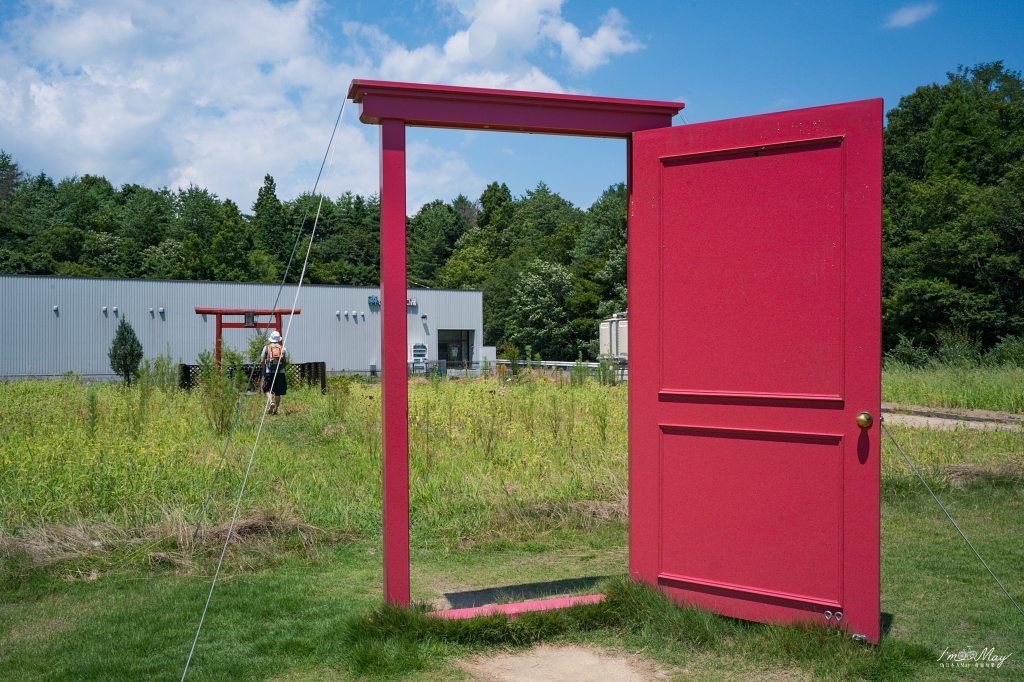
{"points": [[755, 307], [275, 323]]}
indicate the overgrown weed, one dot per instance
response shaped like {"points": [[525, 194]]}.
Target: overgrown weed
{"points": [[134, 452]]}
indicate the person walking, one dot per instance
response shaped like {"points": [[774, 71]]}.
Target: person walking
{"points": [[274, 358]]}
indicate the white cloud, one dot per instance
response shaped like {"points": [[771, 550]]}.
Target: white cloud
{"points": [[910, 15], [585, 54], [220, 93], [215, 94], [435, 173], [493, 50]]}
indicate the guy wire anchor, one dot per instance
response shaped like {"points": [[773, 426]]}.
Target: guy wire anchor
{"points": [[838, 615]]}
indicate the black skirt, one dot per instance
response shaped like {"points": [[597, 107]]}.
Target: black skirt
{"points": [[280, 384]]}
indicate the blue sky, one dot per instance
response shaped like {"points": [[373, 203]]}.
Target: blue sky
{"points": [[220, 93]]}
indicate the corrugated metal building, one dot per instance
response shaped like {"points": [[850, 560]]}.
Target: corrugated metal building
{"points": [[53, 325]]}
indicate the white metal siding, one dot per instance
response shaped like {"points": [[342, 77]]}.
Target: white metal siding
{"points": [[613, 340], [39, 341]]}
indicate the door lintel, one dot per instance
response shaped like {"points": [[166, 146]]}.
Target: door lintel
{"points": [[454, 107]]}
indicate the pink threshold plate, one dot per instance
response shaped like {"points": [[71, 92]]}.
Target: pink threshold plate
{"points": [[513, 610]]}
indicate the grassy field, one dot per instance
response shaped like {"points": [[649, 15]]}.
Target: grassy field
{"points": [[486, 459], [511, 483], [983, 388]]}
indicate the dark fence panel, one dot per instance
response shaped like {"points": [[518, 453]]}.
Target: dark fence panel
{"points": [[297, 374], [314, 373]]}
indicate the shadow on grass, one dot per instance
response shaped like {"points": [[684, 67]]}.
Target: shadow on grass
{"points": [[390, 641]]}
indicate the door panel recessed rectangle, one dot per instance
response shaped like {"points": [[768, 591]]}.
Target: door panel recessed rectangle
{"points": [[769, 269], [771, 524]]}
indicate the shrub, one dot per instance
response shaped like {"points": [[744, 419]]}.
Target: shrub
{"points": [[1009, 351], [511, 353], [578, 372], [257, 342], [219, 394], [338, 391], [160, 372], [905, 352], [125, 352], [957, 347], [92, 413]]}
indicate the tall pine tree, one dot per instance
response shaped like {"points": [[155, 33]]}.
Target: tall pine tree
{"points": [[125, 352], [269, 221]]}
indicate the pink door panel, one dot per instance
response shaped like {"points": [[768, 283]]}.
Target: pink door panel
{"points": [[754, 285], [755, 467], [780, 265]]}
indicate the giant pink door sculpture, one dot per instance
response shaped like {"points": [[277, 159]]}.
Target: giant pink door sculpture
{"points": [[755, 316], [754, 301]]}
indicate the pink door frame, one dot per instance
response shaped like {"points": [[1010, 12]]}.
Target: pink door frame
{"points": [[393, 106]]}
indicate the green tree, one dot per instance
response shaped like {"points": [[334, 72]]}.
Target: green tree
{"points": [[599, 254], [347, 247], [17, 263], [432, 235], [88, 203], [515, 239], [144, 220], [953, 228], [163, 261], [232, 255], [468, 209], [197, 212], [62, 243], [33, 208], [537, 315], [125, 352], [545, 224], [271, 234], [494, 198], [10, 179]]}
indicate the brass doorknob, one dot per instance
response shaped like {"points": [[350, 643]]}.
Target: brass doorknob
{"points": [[865, 420]]}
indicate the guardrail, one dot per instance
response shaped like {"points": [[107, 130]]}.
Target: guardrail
{"points": [[606, 371]]}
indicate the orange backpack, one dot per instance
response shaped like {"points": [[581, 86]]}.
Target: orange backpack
{"points": [[274, 353]]}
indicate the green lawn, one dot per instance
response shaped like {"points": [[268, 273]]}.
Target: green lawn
{"points": [[532, 495]]}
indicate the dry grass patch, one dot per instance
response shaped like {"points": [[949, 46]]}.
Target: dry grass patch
{"points": [[965, 475], [85, 551]]}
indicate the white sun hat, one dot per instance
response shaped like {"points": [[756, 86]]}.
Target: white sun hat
{"points": [[275, 337]]}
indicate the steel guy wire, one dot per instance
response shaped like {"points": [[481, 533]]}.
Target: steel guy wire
{"points": [[277, 299], [934, 497], [266, 406]]}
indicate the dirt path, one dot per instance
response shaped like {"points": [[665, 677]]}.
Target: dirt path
{"points": [[561, 664], [945, 419]]}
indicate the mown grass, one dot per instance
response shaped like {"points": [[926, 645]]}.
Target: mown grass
{"points": [[511, 482], [984, 388], [308, 617]]}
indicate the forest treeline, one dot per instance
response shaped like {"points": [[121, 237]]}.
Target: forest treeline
{"points": [[953, 233]]}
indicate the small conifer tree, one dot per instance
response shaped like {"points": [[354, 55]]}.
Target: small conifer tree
{"points": [[125, 352]]}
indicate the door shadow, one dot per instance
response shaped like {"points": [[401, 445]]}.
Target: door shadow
{"points": [[523, 592]]}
